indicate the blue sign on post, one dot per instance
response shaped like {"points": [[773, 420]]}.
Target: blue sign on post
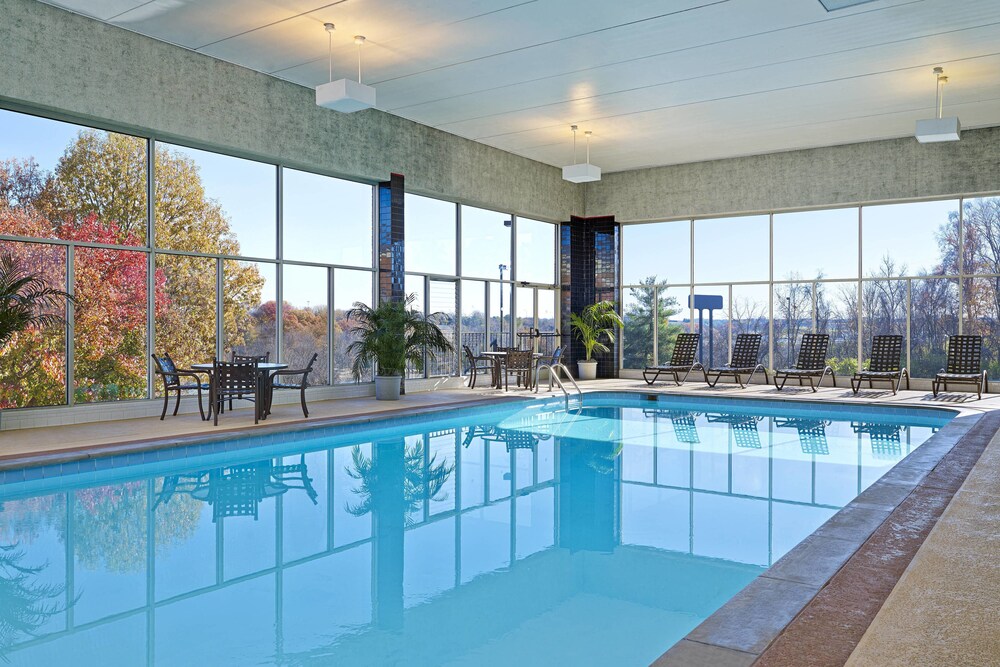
{"points": [[703, 302]]}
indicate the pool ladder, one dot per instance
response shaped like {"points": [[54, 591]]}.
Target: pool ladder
{"points": [[554, 375]]}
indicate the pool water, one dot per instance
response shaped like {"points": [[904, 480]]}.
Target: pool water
{"points": [[509, 535]]}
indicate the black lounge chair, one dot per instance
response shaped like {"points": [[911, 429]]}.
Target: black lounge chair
{"points": [[885, 364], [963, 365], [810, 364], [681, 361], [743, 361]]}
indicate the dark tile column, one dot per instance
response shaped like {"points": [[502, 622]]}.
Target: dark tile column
{"points": [[590, 269], [391, 279]]}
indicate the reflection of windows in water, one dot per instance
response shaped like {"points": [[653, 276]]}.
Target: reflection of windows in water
{"points": [[743, 428], [885, 439], [812, 434]]}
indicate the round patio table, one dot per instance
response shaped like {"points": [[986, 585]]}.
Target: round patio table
{"points": [[264, 370]]}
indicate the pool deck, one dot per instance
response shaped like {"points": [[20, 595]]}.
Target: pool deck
{"points": [[907, 574]]}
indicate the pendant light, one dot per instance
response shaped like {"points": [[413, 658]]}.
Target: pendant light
{"points": [[344, 95], [582, 172], [938, 128]]}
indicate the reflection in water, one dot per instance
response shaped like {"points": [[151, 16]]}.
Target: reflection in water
{"points": [[596, 536], [26, 604]]}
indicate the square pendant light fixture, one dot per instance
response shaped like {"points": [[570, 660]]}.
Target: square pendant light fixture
{"points": [[939, 129], [345, 95], [582, 172]]}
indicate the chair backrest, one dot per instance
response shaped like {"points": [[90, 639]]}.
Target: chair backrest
{"points": [[556, 356], [685, 348], [887, 353], [812, 351], [234, 377], [245, 358], [166, 367], [468, 354], [964, 354], [518, 360], [309, 368], [746, 350]]}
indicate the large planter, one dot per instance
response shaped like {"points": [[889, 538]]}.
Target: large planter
{"points": [[387, 387], [586, 370]]}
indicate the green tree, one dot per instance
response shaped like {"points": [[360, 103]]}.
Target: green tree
{"points": [[637, 347]]}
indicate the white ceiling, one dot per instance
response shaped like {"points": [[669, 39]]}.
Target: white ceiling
{"points": [[657, 81]]}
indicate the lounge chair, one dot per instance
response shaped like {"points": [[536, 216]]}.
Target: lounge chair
{"points": [[811, 363], [963, 365], [743, 361], [885, 364], [681, 361]]}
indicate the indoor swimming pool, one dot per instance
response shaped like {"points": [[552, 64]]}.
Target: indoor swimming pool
{"points": [[524, 533]]}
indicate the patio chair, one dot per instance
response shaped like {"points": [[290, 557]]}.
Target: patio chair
{"points": [[963, 365], [742, 362], [478, 363], [681, 361], [884, 364], [519, 364], [303, 382], [167, 369], [246, 358], [229, 381], [551, 364], [811, 363]]}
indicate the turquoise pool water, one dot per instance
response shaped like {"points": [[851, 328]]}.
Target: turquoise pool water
{"points": [[498, 536]]}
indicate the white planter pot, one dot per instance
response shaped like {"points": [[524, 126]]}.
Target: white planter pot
{"points": [[387, 387], [587, 370]]}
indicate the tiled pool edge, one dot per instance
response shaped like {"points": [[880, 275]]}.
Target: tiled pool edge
{"points": [[812, 606]]}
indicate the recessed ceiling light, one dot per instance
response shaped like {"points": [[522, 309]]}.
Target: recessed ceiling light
{"points": [[834, 5]]}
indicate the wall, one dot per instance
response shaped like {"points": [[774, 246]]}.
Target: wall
{"points": [[874, 171], [75, 68]]}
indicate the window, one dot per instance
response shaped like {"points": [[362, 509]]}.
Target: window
{"points": [[248, 308], [305, 320], [536, 251], [326, 220], [185, 324], [816, 244], [211, 203], [485, 243], [732, 249], [660, 250], [910, 239], [430, 235], [349, 287]]}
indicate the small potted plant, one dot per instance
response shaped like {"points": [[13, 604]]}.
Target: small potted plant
{"points": [[595, 323], [389, 336]]}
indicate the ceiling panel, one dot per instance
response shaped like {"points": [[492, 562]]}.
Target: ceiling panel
{"points": [[658, 81]]}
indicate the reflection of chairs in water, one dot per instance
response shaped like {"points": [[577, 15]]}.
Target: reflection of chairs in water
{"points": [[743, 428], [886, 441], [812, 433], [683, 422], [237, 490], [513, 438]]}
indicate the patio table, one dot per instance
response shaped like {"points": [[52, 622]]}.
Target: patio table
{"points": [[264, 370], [498, 359]]}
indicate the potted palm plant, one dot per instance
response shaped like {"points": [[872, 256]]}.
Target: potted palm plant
{"points": [[591, 326], [390, 336]]}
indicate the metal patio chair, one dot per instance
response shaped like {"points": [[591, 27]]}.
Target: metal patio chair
{"points": [[479, 364], [277, 382], [167, 369], [743, 361], [681, 361], [811, 363], [884, 364], [239, 381], [964, 365]]}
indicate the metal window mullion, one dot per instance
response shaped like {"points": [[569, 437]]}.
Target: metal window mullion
{"points": [[961, 268], [150, 264], [330, 328], [770, 291], [909, 293], [513, 250], [861, 294], [279, 282], [427, 314], [219, 310], [69, 343], [691, 276], [815, 317], [656, 325], [729, 341]]}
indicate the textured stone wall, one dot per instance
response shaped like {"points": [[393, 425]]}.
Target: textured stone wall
{"points": [[874, 171]]}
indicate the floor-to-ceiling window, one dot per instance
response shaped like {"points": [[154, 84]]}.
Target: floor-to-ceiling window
{"points": [[923, 270]]}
